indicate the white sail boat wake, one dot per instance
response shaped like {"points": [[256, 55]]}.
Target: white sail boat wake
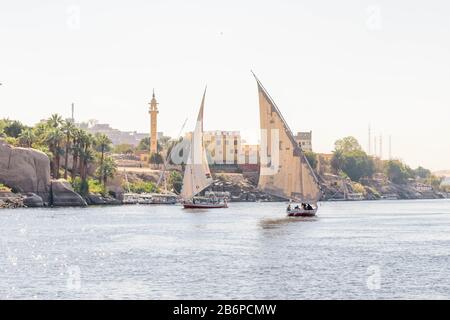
{"points": [[197, 176], [285, 171]]}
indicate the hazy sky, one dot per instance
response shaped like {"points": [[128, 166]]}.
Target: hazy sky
{"points": [[331, 66]]}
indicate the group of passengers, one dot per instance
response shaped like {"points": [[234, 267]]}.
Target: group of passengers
{"points": [[303, 206]]}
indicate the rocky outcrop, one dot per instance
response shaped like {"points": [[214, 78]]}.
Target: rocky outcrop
{"points": [[93, 199], [114, 186], [32, 200], [25, 170], [63, 195], [9, 200], [11, 203], [240, 188]]}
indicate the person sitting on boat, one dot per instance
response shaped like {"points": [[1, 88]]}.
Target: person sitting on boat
{"points": [[289, 207], [296, 207], [309, 207], [303, 206]]}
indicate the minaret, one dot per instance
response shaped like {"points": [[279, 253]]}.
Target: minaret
{"points": [[153, 111]]}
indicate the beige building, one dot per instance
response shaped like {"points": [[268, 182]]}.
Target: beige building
{"points": [[304, 140], [222, 147], [227, 148], [249, 157], [116, 136], [250, 154]]}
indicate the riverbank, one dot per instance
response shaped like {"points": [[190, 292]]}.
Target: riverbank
{"points": [[243, 187], [238, 188]]}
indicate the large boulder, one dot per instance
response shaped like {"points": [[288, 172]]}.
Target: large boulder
{"points": [[114, 186], [63, 195], [25, 170], [32, 200], [94, 199]]}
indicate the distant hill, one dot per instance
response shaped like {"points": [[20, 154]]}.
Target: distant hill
{"points": [[442, 173]]}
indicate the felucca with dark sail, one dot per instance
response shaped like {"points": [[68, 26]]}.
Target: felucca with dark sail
{"points": [[197, 176], [285, 171]]}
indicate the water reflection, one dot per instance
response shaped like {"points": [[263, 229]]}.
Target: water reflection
{"points": [[268, 223]]}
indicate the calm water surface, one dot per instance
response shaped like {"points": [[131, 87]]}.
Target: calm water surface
{"points": [[384, 249]]}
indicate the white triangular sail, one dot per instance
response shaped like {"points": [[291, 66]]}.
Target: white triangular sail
{"points": [[285, 172], [197, 175]]}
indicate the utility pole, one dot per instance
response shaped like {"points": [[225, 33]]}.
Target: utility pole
{"points": [[390, 147], [375, 146], [381, 146], [73, 111]]}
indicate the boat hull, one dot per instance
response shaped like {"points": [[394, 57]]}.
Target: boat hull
{"points": [[301, 213], [204, 205]]}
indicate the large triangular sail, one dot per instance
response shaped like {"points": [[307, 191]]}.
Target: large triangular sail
{"points": [[285, 172], [197, 175]]}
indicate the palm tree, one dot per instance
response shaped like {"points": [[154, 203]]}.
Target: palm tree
{"points": [[55, 121], [103, 144], [156, 158], [76, 149], [40, 131], [53, 138], [107, 170], [68, 128], [86, 155], [27, 138]]}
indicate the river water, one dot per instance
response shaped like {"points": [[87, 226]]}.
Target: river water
{"points": [[354, 250]]}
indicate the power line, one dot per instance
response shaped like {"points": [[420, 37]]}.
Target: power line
{"points": [[381, 146], [390, 147]]}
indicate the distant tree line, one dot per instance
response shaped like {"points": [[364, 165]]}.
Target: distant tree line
{"points": [[350, 160]]}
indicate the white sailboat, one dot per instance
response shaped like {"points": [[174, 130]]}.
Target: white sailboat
{"points": [[285, 171], [197, 176]]}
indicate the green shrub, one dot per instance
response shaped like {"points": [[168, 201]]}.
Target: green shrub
{"points": [[141, 187], [312, 159], [89, 186], [358, 188], [349, 157], [96, 187], [12, 141], [80, 186], [176, 181], [398, 172], [4, 188]]}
